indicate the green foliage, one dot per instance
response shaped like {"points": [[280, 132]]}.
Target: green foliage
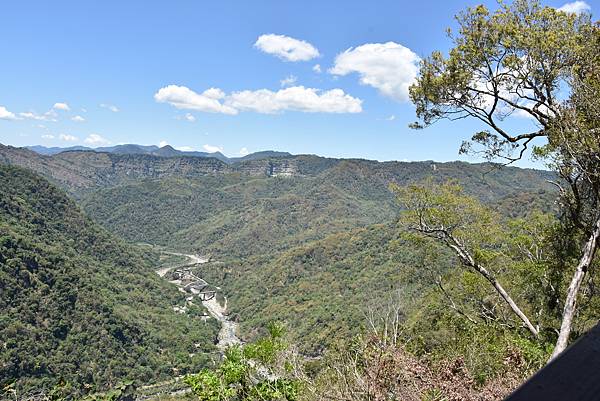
{"points": [[437, 209], [238, 216], [314, 250], [310, 250], [80, 306], [434, 395], [251, 372], [516, 59]]}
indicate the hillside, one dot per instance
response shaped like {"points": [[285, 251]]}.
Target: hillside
{"points": [[304, 239], [324, 289], [235, 215], [80, 305]]}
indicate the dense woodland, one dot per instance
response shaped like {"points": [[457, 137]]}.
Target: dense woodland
{"points": [[80, 306], [319, 252]]}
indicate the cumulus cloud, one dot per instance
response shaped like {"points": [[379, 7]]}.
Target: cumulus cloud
{"points": [[110, 107], [576, 7], [317, 68], [61, 106], [244, 151], [47, 116], [389, 67], [286, 48], [67, 137], [162, 144], [288, 81], [47, 136], [96, 140], [212, 148], [187, 117], [184, 98], [79, 119], [295, 98], [7, 115]]}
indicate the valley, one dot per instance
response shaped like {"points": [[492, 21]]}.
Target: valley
{"points": [[311, 243], [299, 201], [300, 239]]}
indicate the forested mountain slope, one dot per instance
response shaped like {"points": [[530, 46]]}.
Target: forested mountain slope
{"points": [[304, 239], [79, 305], [325, 289], [239, 215]]}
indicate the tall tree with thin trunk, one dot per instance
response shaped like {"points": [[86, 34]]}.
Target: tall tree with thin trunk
{"points": [[465, 226], [534, 63]]}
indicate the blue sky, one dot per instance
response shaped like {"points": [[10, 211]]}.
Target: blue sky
{"points": [[93, 73]]}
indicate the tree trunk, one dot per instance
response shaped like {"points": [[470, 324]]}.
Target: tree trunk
{"points": [[517, 311], [589, 251], [468, 260]]}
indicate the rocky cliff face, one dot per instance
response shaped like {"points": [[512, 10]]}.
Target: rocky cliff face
{"points": [[112, 169], [280, 167], [79, 170]]}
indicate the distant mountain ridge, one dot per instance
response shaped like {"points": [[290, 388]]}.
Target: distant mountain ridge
{"points": [[85, 170], [165, 151]]}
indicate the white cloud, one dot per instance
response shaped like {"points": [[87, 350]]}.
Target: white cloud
{"points": [[48, 136], [61, 106], [162, 144], [214, 93], [389, 67], [7, 115], [95, 139], [576, 7], [67, 137], [286, 48], [47, 116], [78, 119], [288, 81], [244, 151], [391, 118], [317, 68], [110, 107], [295, 98], [212, 148], [184, 98], [188, 117]]}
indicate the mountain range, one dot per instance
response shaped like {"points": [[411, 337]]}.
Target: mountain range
{"points": [[302, 239], [165, 151]]}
